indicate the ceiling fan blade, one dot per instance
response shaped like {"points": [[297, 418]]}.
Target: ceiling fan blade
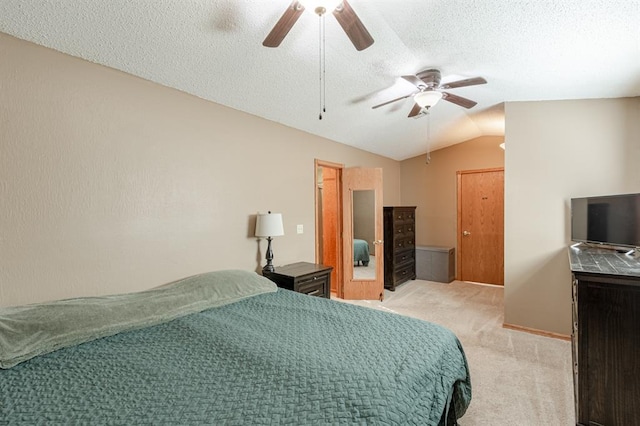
{"points": [[415, 110], [462, 83], [458, 100], [414, 80], [284, 24], [352, 25], [393, 100]]}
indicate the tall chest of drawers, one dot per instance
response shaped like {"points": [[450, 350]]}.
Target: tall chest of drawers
{"points": [[399, 245]]}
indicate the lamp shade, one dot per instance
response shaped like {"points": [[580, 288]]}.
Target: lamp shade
{"points": [[428, 99], [269, 225]]}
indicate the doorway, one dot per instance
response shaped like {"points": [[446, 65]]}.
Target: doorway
{"points": [[328, 196], [348, 203], [481, 226]]}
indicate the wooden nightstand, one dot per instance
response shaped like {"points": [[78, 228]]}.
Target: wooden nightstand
{"points": [[303, 277]]}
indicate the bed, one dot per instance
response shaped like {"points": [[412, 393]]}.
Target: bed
{"points": [[360, 252], [226, 348]]}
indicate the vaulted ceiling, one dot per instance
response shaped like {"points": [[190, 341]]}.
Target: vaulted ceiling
{"points": [[526, 50]]}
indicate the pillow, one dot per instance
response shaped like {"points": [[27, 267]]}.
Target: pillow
{"points": [[32, 330]]}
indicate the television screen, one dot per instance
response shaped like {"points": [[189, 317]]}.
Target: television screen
{"points": [[611, 220]]}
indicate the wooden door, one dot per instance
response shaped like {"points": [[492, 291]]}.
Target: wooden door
{"points": [[481, 226], [329, 220], [369, 180]]}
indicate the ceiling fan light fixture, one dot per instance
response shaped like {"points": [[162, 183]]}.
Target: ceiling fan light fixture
{"points": [[428, 98], [329, 5]]}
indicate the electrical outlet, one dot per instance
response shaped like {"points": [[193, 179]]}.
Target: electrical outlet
{"points": [[300, 229]]}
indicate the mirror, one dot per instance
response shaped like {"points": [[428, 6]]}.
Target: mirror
{"points": [[363, 225]]}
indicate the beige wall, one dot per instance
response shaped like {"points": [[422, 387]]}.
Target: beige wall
{"points": [[110, 183], [432, 187], [557, 151]]}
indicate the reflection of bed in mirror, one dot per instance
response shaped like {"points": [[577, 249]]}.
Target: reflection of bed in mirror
{"points": [[360, 252]]}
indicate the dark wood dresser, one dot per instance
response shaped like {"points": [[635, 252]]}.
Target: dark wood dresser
{"points": [[303, 277], [606, 336], [399, 245]]}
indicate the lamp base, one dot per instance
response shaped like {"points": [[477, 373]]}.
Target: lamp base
{"points": [[269, 266]]}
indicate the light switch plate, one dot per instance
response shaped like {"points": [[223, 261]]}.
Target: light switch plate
{"points": [[300, 229]]}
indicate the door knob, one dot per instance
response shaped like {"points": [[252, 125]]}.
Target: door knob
{"points": [[378, 242], [466, 233]]}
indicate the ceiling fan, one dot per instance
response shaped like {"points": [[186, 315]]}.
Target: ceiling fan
{"points": [[430, 91], [343, 12]]}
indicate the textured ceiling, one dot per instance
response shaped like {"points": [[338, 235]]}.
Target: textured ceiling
{"points": [[526, 49]]}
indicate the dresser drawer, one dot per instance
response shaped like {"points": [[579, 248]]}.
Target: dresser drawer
{"points": [[404, 273], [404, 230], [409, 228], [404, 256], [401, 243], [404, 215]]}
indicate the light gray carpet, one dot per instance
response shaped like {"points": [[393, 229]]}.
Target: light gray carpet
{"points": [[518, 378]]}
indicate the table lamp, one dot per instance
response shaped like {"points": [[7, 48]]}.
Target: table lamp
{"points": [[269, 225]]}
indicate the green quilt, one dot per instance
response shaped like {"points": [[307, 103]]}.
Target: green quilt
{"points": [[273, 358]]}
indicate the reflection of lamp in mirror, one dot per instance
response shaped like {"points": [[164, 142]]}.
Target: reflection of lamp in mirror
{"points": [[269, 225]]}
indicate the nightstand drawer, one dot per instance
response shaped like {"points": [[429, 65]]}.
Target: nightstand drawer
{"points": [[313, 287]]}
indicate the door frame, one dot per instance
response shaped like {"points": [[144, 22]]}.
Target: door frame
{"points": [[339, 218], [459, 174]]}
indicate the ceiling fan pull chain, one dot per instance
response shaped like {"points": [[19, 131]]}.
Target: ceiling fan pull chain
{"points": [[324, 67], [428, 136], [321, 61]]}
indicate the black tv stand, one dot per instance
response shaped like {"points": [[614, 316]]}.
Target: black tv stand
{"points": [[605, 338]]}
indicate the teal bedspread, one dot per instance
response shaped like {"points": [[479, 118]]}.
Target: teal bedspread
{"points": [[273, 358]]}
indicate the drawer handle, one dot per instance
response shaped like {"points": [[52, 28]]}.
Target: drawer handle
{"points": [[313, 293]]}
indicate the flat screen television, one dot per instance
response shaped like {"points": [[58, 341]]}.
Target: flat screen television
{"points": [[612, 220]]}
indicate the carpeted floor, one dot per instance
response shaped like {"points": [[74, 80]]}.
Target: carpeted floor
{"points": [[518, 378]]}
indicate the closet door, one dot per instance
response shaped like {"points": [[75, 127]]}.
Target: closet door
{"points": [[481, 226]]}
